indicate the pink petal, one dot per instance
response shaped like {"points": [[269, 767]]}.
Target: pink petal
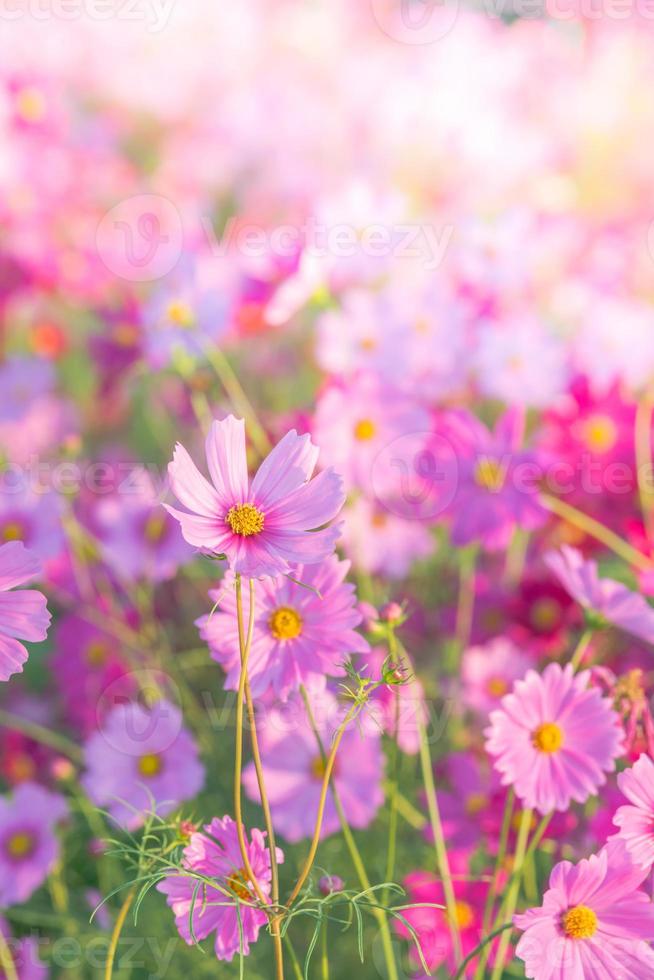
{"points": [[24, 615], [190, 487], [12, 657], [17, 565], [227, 460], [286, 468]]}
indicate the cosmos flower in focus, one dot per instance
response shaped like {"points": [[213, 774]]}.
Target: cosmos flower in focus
{"points": [[216, 854], [28, 844], [610, 601], [302, 633], [595, 923], [539, 738], [266, 526], [488, 672], [636, 821], [294, 769], [141, 760], [23, 615]]}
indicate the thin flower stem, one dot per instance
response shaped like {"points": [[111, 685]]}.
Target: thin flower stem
{"points": [[596, 530], [7, 960], [295, 963], [513, 891], [115, 935], [499, 861], [355, 855], [466, 601], [482, 945], [392, 802], [643, 447], [581, 649], [329, 768], [239, 399], [42, 735], [439, 839], [324, 958], [244, 646]]}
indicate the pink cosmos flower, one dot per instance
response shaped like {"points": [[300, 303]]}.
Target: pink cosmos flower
{"points": [[488, 672], [294, 769], [216, 854], [594, 924], [636, 822], [262, 527], [25, 955], [432, 925], [611, 600], [495, 481], [23, 615], [141, 760], [539, 738], [28, 843], [300, 634]]}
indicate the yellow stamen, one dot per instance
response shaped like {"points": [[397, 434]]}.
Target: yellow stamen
{"points": [[364, 430], [180, 313], [96, 653], [475, 803], [20, 844], [245, 519], [155, 526], [30, 104], [547, 738], [285, 623], [239, 884], [600, 433], [489, 474], [497, 687], [318, 768], [12, 531], [464, 914], [545, 613], [150, 765], [579, 922]]}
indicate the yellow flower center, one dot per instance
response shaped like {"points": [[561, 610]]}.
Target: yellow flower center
{"points": [[155, 526], [600, 433], [364, 430], [20, 844], [285, 623], [475, 803], [579, 922], [180, 313], [245, 519], [30, 104], [547, 738], [96, 653], [239, 884], [12, 531], [150, 765], [464, 914], [545, 613], [497, 687], [489, 474]]}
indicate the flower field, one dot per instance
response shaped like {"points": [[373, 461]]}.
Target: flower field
{"points": [[326, 490]]}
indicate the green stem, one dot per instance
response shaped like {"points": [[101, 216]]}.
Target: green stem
{"points": [[42, 735], [596, 530], [324, 959], [295, 963], [115, 935], [392, 801], [439, 839], [237, 396], [355, 854], [482, 945], [513, 891], [466, 601], [581, 648], [7, 960]]}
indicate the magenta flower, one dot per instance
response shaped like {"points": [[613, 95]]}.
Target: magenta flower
{"points": [[215, 854], [28, 843], [294, 769], [496, 482], [266, 526], [636, 822], [23, 615], [594, 924], [300, 634], [141, 760], [609, 600], [540, 742]]}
